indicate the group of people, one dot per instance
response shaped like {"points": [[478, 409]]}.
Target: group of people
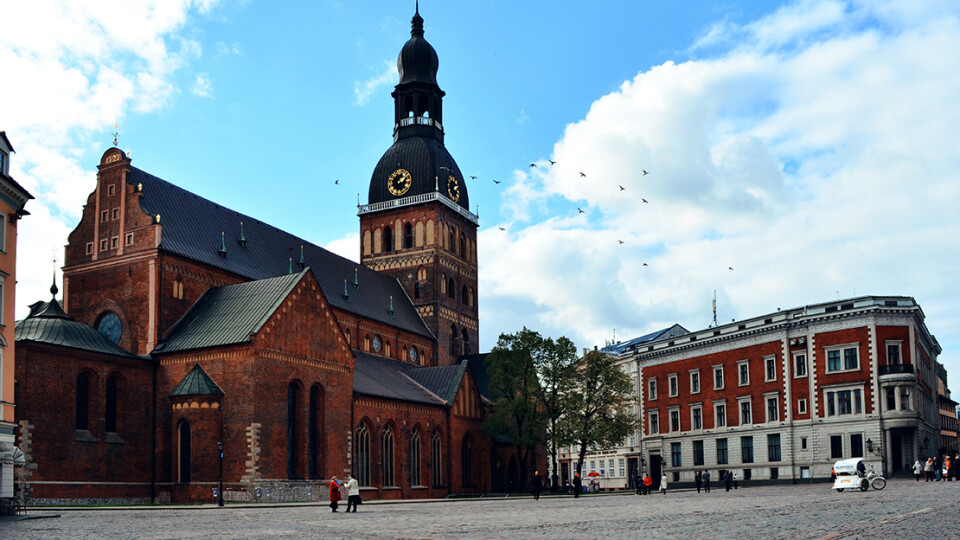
{"points": [[935, 469], [730, 480], [349, 489]]}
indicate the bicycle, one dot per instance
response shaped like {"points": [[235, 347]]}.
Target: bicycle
{"points": [[874, 480]]}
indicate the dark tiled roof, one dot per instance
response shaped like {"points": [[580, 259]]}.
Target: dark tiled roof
{"points": [[47, 323], [228, 315], [427, 160], [444, 381], [632, 344], [386, 378], [191, 227], [197, 383]]}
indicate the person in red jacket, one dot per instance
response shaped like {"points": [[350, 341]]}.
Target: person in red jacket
{"points": [[334, 493]]}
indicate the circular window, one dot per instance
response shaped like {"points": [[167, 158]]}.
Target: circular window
{"points": [[413, 354], [376, 343], [109, 326]]}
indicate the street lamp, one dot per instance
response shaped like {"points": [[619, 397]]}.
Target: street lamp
{"points": [[869, 446], [220, 491]]}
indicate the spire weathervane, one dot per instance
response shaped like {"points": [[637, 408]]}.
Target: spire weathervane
{"points": [[116, 131]]}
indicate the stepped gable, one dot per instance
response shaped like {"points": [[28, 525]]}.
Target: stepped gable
{"points": [[191, 227], [47, 323], [230, 314]]}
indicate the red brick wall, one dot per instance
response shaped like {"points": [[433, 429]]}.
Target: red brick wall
{"points": [[894, 333], [823, 340]]}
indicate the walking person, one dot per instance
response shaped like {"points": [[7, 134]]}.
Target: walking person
{"points": [[334, 493], [537, 485], [638, 483], [353, 493], [647, 484], [577, 485], [927, 468], [736, 480], [663, 484], [698, 479], [706, 481], [727, 480], [917, 469]]}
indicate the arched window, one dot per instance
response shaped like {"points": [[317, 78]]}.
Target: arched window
{"points": [[452, 240], [293, 405], [110, 412], [451, 288], [387, 240], [408, 106], [421, 273], [407, 236], [466, 462], [416, 290], [463, 245], [443, 284], [415, 462], [315, 418], [183, 453], [465, 341], [463, 294], [361, 454], [387, 457], [453, 340], [436, 456], [83, 401], [470, 297], [366, 343], [424, 106]]}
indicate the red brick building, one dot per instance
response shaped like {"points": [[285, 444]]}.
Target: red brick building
{"points": [[185, 324]]}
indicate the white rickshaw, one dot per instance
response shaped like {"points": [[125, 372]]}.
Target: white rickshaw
{"points": [[849, 475]]}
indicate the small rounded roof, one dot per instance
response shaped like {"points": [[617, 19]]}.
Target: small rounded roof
{"points": [[429, 164], [418, 61]]}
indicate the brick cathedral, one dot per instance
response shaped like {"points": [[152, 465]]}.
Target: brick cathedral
{"points": [[184, 324]]}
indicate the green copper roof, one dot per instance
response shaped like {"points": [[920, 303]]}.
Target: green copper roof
{"points": [[47, 323], [197, 383]]}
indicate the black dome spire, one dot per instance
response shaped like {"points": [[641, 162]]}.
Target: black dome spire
{"points": [[418, 61]]}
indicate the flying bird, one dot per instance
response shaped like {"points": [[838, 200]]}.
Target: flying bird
{"points": [[473, 177], [581, 211], [337, 182], [496, 181], [502, 229], [582, 175], [552, 162], [622, 188], [533, 164], [645, 264], [620, 241], [644, 172], [642, 199], [729, 268]]}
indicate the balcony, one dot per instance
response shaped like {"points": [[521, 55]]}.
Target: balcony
{"points": [[896, 369]]}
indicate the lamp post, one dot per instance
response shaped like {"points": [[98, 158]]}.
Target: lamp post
{"points": [[220, 491]]}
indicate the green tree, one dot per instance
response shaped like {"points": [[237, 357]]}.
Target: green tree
{"points": [[600, 405], [517, 413], [556, 363]]}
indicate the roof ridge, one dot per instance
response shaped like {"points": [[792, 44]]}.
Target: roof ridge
{"points": [[422, 387], [281, 296]]}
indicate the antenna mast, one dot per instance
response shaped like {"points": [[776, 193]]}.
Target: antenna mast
{"points": [[714, 324]]}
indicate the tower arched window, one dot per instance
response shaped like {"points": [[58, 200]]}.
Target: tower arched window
{"points": [[183, 453], [387, 457], [293, 454], [463, 245], [110, 411], [451, 288], [443, 284], [407, 236], [453, 340], [361, 454], [424, 107], [415, 461], [465, 341], [408, 106], [387, 240], [416, 290], [436, 459], [452, 240], [463, 294], [83, 401], [314, 444]]}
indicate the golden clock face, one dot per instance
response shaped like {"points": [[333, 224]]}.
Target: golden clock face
{"points": [[399, 182], [453, 189]]}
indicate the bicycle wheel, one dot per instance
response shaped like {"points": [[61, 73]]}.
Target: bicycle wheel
{"points": [[878, 483]]}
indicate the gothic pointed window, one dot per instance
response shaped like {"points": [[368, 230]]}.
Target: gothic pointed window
{"points": [[315, 419], [415, 461], [436, 459], [451, 288], [183, 453], [293, 405], [387, 240], [83, 401], [387, 457], [465, 341], [407, 236], [453, 340], [110, 412], [463, 295], [361, 454]]}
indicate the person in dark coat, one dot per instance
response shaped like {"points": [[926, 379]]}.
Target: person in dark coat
{"points": [[537, 485], [706, 481], [698, 479], [577, 486], [727, 480]]}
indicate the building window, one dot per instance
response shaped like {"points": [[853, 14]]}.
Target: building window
{"points": [[743, 370], [718, 377], [719, 414], [465, 341], [593, 465], [387, 457], [83, 401], [802, 406], [803, 443], [891, 395], [387, 240], [361, 454], [800, 365], [698, 452], [376, 343], [183, 453], [110, 411], [293, 454], [111, 189], [843, 402], [746, 449], [904, 398], [436, 465], [116, 213], [722, 457], [893, 353], [695, 381], [672, 383], [746, 412], [89, 248], [674, 420], [770, 368], [773, 410], [773, 447], [653, 423], [836, 446], [621, 468], [128, 241], [453, 340], [696, 417], [103, 244], [451, 289], [416, 290], [675, 454], [610, 464], [407, 236], [314, 429], [651, 389], [104, 216], [843, 359], [114, 242], [856, 445]]}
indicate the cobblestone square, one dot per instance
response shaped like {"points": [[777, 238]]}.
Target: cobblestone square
{"points": [[905, 509]]}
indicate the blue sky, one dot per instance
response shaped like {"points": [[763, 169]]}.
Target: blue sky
{"points": [[810, 145]]}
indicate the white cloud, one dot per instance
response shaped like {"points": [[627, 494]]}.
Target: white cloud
{"points": [[365, 89], [202, 86], [79, 67], [348, 247], [226, 49], [817, 155]]}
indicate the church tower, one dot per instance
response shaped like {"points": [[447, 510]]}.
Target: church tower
{"points": [[417, 225]]}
